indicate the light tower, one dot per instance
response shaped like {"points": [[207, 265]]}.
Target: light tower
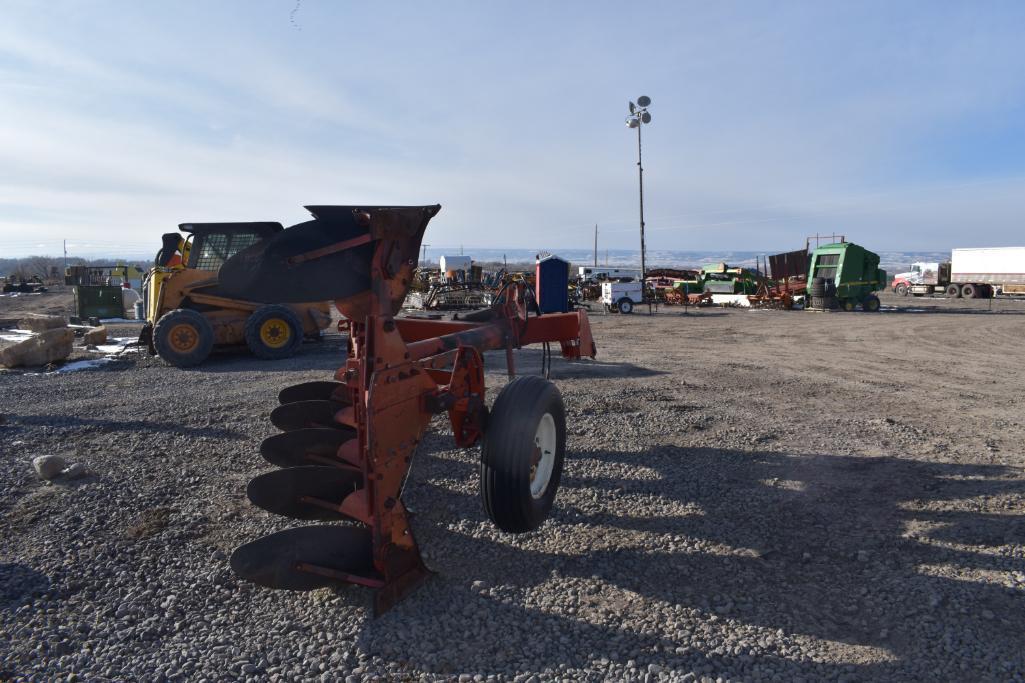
{"points": [[638, 117]]}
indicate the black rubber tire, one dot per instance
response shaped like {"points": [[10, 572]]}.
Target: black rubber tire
{"points": [[165, 345], [818, 287], [848, 305], [507, 451], [970, 291], [870, 304], [901, 290], [625, 306], [265, 314], [954, 290]]}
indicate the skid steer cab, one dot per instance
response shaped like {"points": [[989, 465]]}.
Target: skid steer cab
{"points": [[188, 314]]}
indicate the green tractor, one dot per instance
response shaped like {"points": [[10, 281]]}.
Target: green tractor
{"points": [[719, 278], [844, 275]]}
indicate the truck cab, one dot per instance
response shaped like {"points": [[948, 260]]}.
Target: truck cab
{"points": [[925, 277]]}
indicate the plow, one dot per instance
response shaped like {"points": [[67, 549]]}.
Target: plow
{"points": [[347, 442]]}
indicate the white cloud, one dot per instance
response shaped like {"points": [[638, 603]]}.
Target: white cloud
{"points": [[125, 120]]}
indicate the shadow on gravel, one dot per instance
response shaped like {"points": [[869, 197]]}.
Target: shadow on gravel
{"points": [[883, 557], [326, 355], [881, 552], [142, 426], [528, 362], [919, 310], [19, 584]]}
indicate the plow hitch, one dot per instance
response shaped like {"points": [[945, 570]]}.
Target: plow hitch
{"points": [[347, 443]]}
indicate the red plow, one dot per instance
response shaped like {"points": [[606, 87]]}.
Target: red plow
{"points": [[347, 443]]}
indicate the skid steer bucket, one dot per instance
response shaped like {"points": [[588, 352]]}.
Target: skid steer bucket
{"points": [[346, 443]]}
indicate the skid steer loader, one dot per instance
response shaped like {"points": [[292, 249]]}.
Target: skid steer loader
{"points": [[187, 314]]}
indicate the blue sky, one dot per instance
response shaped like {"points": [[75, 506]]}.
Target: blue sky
{"points": [[901, 125]]}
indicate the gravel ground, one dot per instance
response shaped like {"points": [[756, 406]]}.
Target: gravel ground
{"points": [[748, 495]]}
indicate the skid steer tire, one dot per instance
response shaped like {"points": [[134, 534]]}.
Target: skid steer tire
{"points": [[183, 337], [273, 332], [522, 454]]}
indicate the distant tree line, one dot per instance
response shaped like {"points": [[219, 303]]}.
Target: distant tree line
{"points": [[51, 268]]}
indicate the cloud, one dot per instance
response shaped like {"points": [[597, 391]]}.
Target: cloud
{"points": [[768, 122]]}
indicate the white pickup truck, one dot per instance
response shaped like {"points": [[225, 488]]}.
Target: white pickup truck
{"points": [[621, 297]]}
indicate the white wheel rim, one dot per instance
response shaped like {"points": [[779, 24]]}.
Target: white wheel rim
{"points": [[543, 458]]}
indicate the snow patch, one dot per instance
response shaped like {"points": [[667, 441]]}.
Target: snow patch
{"points": [[77, 365]]}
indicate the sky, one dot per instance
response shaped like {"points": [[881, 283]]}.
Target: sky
{"points": [[900, 125]]}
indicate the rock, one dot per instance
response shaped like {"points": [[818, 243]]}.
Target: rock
{"points": [[987, 614], [48, 466], [41, 323], [95, 336], [75, 470], [46, 347], [863, 556]]}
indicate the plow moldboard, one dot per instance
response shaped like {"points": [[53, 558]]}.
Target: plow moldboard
{"points": [[309, 446], [272, 560], [324, 390], [303, 414], [282, 491]]}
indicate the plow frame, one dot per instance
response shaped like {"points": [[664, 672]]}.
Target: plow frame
{"points": [[399, 373]]}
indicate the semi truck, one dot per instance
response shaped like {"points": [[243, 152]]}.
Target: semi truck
{"points": [[970, 273]]}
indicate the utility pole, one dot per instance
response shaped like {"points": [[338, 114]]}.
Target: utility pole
{"points": [[595, 245], [65, 256], [425, 254]]}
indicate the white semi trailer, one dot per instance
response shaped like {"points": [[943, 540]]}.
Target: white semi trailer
{"points": [[980, 272], [971, 273]]}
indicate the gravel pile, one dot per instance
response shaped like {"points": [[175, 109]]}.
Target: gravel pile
{"points": [[756, 496]]}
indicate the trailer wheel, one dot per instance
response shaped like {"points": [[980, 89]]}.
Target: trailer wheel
{"points": [[954, 290], [273, 332], [901, 289], [970, 291], [522, 454], [625, 305], [871, 303], [183, 337]]}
